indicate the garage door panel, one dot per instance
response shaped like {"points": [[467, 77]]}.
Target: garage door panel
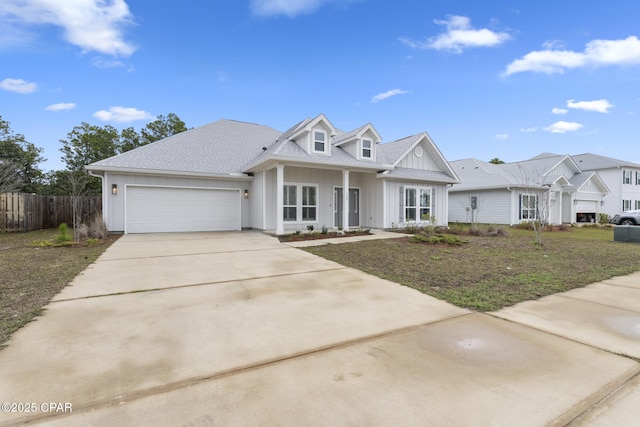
{"points": [[166, 209]]}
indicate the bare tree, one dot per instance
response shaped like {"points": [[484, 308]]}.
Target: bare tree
{"points": [[534, 201], [9, 179], [78, 184]]}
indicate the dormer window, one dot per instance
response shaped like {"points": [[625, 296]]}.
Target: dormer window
{"points": [[319, 142], [366, 148]]}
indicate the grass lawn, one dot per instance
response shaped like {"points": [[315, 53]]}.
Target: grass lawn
{"points": [[30, 276], [489, 273]]}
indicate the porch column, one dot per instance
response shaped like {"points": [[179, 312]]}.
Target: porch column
{"points": [[345, 203], [279, 199]]}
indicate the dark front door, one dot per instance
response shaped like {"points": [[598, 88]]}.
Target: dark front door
{"points": [[354, 207]]}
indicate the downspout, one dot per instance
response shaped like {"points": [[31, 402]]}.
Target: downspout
{"points": [[104, 193]]}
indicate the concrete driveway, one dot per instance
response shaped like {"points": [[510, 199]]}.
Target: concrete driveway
{"points": [[238, 329]]}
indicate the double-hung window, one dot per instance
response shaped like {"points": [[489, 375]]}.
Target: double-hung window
{"points": [[300, 203], [626, 176], [366, 148], [626, 205], [417, 203], [319, 142], [637, 178], [528, 206], [637, 204], [290, 203], [309, 203]]}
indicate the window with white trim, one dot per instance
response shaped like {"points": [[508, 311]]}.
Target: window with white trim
{"points": [[309, 203], [528, 206], [319, 141], [300, 203], [626, 176], [637, 178], [417, 203], [367, 145], [626, 205], [289, 203], [637, 204]]}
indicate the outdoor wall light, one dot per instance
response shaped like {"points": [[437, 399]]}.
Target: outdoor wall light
{"points": [[246, 194], [114, 189]]}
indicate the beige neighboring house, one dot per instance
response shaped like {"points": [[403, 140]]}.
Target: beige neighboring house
{"points": [[231, 175]]}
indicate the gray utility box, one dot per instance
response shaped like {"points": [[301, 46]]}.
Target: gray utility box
{"points": [[626, 233]]}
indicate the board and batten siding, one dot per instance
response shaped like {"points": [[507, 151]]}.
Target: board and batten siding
{"points": [[326, 181], [494, 206], [424, 162], [395, 201], [115, 213], [561, 169]]}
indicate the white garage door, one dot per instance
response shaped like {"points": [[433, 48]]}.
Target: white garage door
{"points": [[586, 206], [167, 209]]}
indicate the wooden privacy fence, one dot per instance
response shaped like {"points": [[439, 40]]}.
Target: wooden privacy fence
{"points": [[21, 212]]}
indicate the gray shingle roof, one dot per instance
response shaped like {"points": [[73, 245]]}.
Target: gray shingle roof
{"points": [[392, 151], [231, 147], [590, 161], [221, 147]]}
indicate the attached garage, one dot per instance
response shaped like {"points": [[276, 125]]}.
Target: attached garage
{"points": [[154, 209], [586, 210]]}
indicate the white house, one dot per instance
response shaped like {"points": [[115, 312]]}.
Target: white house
{"points": [[549, 188], [621, 177], [231, 175]]}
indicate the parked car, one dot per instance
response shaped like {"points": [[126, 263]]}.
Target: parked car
{"points": [[627, 218]]}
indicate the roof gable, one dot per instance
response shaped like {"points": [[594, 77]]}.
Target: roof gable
{"points": [[395, 152]]}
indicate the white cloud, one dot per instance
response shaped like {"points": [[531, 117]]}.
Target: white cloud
{"points": [[61, 106], [502, 136], [93, 25], [533, 129], [459, 36], [18, 85], [600, 105], [388, 94], [563, 127], [122, 115], [559, 111], [554, 44], [291, 8], [597, 53]]}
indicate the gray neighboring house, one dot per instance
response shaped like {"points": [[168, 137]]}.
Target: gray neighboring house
{"points": [[231, 175], [552, 186]]}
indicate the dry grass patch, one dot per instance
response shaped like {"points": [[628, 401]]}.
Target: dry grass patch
{"points": [[33, 273], [489, 273]]}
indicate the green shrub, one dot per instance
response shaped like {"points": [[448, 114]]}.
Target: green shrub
{"points": [[42, 244], [64, 235], [603, 218], [92, 241], [438, 239], [325, 230]]}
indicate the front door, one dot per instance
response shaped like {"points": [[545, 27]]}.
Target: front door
{"points": [[354, 207]]}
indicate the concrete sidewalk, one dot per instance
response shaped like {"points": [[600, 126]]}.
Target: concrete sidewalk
{"points": [[238, 329]]}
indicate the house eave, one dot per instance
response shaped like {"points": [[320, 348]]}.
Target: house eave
{"points": [[271, 161], [155, 172]]}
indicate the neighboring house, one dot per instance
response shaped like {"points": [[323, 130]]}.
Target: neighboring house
{"points": [[622, 179], [231, 175], [550, 188]]}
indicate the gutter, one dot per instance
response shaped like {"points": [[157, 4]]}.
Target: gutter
{"points": [[138, 171]]}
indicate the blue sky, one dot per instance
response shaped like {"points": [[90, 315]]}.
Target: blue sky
{"points": [[507, 79]]}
